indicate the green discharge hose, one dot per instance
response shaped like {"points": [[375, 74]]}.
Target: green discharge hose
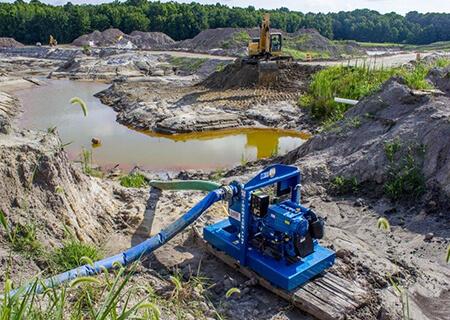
{"points": [[199, 185]]}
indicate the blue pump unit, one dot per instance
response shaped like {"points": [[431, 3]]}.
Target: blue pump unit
{"points": [[269, 230]]}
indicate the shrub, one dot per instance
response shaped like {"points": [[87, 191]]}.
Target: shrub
{"points": [[133, 180]]}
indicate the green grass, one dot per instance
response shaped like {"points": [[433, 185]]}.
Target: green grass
{"points": [[242, 36], [72, 254], [405, 177], [188, 64], [239, 39], [86, 162], [440, 45], [341, 185], [443, 62], [356, 82], [340, 81], [133, 180], [22, 237], [109, 296], [301, 55]]}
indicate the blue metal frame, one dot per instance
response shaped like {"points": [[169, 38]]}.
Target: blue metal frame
{"points": [[270, 175], [226, 237]]}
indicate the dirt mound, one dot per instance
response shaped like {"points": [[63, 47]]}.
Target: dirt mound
{"points": [[151, 40], [222, 40], [392, 141], [10, 43], [109, 37], [234, 41], [290, 76], [118, 39], [310, 40]]}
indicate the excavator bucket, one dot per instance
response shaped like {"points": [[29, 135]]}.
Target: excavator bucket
{"points": [[268, 73]]}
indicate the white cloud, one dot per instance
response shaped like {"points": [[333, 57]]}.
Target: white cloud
{"points": [[383, 6]]}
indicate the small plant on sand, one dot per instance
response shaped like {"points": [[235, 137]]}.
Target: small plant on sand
{"points": [[217, 175], [383, 224], [134, 180], [391, 148], [86, 162], [405, 178], [341, 185], [402, 293], [72, 254], [22, 237]]}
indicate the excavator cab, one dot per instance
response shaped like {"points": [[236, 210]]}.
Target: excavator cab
{"points": [[276, 43]]}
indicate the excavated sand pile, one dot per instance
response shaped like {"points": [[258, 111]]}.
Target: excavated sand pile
{"points": [[10, 43], [290, 76], [118, 39], [418, 123]]}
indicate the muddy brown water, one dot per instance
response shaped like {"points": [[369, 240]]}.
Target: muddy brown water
{"points": [[48, 106]]}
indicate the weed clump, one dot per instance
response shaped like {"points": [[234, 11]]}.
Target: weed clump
{"points": [[22, 237], [341, 185], [72, 254], [133, 180], [405, 178], [86, 162]]}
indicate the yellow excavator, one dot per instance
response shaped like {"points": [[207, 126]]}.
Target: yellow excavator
{"points": [[269, 45], [266, 51]]}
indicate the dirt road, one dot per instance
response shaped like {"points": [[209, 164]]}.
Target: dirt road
{"points": [[377, 61]]}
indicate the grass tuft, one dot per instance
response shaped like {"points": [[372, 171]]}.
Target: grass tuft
{"points": [[405, 177], [383, 224], [86, 162], [73, 254], [22, 237], [341, 185], [133, 180]]}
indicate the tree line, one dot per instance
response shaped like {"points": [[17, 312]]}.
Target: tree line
{"points": [[35, 21]]}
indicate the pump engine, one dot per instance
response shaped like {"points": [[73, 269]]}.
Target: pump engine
{"points": [[285, 230]]}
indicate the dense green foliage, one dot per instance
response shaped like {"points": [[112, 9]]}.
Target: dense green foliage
{"points": [[356, 82], [34, 21], [341, 81]]}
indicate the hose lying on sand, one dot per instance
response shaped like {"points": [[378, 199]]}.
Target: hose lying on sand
{"points": [[135, 253]]}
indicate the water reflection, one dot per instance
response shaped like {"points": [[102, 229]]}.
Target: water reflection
{"points": [[48, 106]]}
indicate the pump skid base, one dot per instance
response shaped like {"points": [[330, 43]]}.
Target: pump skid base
{"points": [[326, 296], [279, 273]]}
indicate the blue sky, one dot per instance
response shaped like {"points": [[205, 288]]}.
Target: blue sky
{"points": [[399, 6]]}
